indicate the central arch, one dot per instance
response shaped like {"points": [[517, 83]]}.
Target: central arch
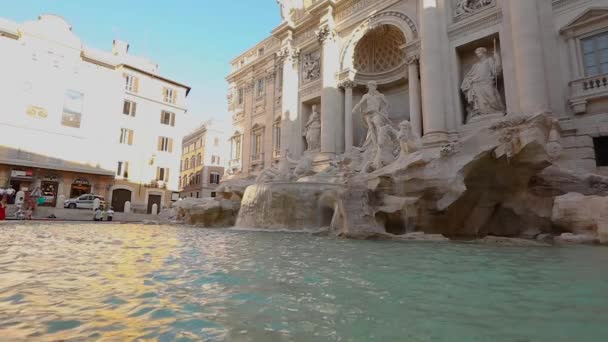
{"points": [[393, 19]]}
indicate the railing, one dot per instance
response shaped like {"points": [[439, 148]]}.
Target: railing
{"points": [[257, 158], [585, 89], [276, 154]]}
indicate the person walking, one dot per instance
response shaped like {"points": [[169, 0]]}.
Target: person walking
{"points": [[3, 206]]}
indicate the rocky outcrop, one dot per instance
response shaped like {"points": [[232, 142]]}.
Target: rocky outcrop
{"points": [[583, 218], [207, 212], [287, 206]]}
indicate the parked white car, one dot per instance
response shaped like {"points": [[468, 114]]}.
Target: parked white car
{"points": [[83, 202]]}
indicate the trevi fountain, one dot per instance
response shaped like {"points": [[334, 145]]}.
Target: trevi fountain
{"points": [[434, 181]]}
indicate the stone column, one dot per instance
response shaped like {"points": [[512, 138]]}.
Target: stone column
{"points": [[332, 130], [528, 55], [432, 76], [348, 114], [414, 94], [290, 115]]}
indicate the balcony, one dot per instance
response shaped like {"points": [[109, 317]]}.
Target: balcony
{"points": [[257, 159], [276, 154], [587, 89], [234, 164]]}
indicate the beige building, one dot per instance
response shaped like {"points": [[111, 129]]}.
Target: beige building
{"points": [[447, 66], [108, 111], [202, 165]]}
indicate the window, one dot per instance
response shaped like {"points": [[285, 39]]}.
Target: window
{"points": [[277, 136], [260, 51], [167, 118], [126, 136], [240, 96], [213, 194], [197, 194], [129, 108], [197, 179], [131, 83], [601, 150], [215, 159], [169, 95], [214, 178], [192, 163], [122, 169], [235, 151], [72, 109], [199, 159], [595, 54], [162, 174], [260, 87], [257, 143], [165, 144]]}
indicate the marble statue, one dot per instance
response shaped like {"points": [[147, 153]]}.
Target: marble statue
{"points": [[408, 140], [374, 108], [288, 7], [312, 130], [381, 146], [480, 86]]}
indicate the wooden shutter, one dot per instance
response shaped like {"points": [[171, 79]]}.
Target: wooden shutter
{"points": [[173, 99], [135, 84], [126, 107], [162, 116], [157, 172], [170, 143], [166, 174], [133, 108], [130, 137], [126, 171], [160, 144], [173, 119]]}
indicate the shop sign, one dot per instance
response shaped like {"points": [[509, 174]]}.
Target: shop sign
{"points": [[36, 112], [51, 178], [22, 174], [81, 182]]}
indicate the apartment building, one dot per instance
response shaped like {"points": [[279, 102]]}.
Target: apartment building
{"points": [[108, 112], [203, 159]]}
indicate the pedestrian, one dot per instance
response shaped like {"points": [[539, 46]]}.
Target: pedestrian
{"points": [[3, 206], [103, 213], [97, 215], [110, 214]]}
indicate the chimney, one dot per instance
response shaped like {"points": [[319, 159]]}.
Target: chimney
{"points": [[119, 47]]}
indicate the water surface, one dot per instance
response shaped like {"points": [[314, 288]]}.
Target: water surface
{"points": [[129, 282]]}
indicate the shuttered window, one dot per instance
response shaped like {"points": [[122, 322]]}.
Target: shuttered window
{"points": [[131, 83], [126, 136], [169, 95], [162, 174], [122, 169], [595, 54], [129, 108], [165, 144], [167, 118]]}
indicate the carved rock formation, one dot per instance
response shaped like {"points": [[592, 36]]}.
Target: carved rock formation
{"points": [[207, 212]]}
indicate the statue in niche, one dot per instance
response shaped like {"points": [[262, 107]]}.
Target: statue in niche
{"points": [[480, 86], [312, 130], [311, 67], [381, 145], [470, 6]]}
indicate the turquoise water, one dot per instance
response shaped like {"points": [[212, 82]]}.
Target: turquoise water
{"points": [[126, 282]]}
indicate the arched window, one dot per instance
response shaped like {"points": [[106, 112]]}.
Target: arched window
{"points": [[199, 159], [192, 163]]}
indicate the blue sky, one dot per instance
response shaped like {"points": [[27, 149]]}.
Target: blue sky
{"points": [[192, 40]]}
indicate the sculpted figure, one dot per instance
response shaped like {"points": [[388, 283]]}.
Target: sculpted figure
{"points": [[381, 146], [282, 172], [470, 6], [374, 108], [288, 6], [312, 130], [409, 141], [479, 86]]}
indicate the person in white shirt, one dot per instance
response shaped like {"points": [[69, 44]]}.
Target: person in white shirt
{"points": [[97, 215], [110, 214]]}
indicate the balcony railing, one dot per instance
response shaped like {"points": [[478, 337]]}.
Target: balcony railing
{"points": [[587, 89], [257, 158]]}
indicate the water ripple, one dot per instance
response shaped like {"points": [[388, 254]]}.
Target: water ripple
{"points": [[130, 282]]}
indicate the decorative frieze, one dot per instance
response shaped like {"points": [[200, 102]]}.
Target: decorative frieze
{"points": [[311, 66], [466, 8], [477, 23]]}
